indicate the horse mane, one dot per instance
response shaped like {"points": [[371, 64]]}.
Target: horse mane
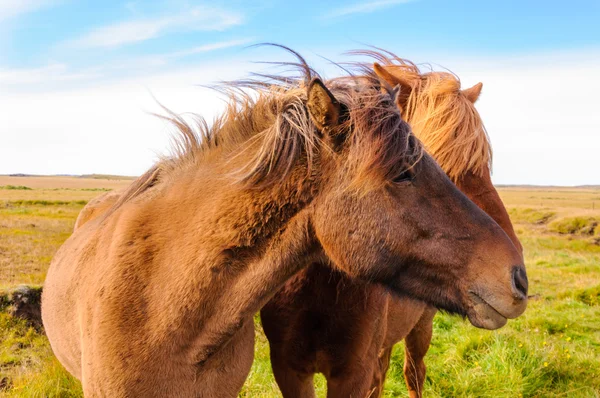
{"points": [[141, 184], [266, 118], [445, 121]]}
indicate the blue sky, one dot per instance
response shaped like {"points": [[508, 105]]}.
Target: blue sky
{"points": [[85, 33], [85, 53]]}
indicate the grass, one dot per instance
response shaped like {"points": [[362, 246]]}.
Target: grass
{"points": [[53, 182], [575, 225], [27, 361], [553, 350], [15, 187], [530, 216], [30, 234], [106, 177], [38, 202]]}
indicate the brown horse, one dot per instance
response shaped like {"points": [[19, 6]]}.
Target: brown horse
{"points": [[323, 321], [156, 297], [446, 121], [101, 204], [96, 207]]}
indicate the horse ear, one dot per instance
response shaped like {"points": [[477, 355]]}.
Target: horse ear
{"points": [[323, 108], [395, 94], [402, 87], [473, 93]]}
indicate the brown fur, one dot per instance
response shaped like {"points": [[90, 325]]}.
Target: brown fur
{"points": [[110, 201], [96, 207], [157, 297], [327, 321]]}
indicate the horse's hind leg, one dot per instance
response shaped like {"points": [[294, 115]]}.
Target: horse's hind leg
{"points": [[292, 384], [356, 383], [380, 373], [417, 343]]}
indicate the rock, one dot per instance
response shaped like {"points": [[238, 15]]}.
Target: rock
{"points": [[25, 302]]}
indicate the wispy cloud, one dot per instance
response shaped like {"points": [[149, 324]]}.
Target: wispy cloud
{"points": [[128, 32], [364, 7], [209, 47], [13, 8], [61, 75], [55, 72], [149, 62]]}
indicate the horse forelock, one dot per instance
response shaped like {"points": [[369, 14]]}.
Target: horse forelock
{"points": [[445, 121], [449, 126]]}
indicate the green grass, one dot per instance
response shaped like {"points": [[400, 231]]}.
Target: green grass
{"points": [[589, 296], [531, 216], [15, 187], [29, 237], [574, 225], [42, 202], [553, 350], [27, 361], [107, 177]]}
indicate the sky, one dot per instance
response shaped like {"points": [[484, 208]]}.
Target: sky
{"points": [[80, 79]]}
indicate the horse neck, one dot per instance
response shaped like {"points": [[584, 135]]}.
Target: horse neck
{"points": [[235, 248], [240, 218], [482, 192]]}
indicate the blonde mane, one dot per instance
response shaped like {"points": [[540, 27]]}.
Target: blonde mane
{"points": [[269, 121], [441, 116], [266, 121]]}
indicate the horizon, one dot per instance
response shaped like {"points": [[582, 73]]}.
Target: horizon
{"points": [[78, 81], [102, 176]]}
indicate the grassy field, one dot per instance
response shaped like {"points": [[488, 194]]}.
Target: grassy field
{"points": [[553, 350]]}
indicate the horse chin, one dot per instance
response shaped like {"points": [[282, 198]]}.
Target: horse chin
{"points": [[482, 315]]}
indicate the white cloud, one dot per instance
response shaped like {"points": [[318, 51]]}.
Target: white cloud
{"points": [[49, 73], [56, 74], [209, 47], [200, 18], [105, 127], [364, 7], [540, 111], [13, 8]]}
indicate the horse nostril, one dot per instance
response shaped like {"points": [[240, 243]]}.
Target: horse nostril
{"points": [[520, 284]]}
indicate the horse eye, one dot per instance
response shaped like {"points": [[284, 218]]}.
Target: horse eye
{"points": [[405, 176]]}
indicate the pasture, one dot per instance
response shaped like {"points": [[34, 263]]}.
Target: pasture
{"points": [[553, 350]]}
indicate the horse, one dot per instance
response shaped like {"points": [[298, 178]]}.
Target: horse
{"points": [[96, 207], [101, 204], [156, 296], [324, 321]]}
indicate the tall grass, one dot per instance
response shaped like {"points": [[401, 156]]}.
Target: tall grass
{"points": [[575, 225]]}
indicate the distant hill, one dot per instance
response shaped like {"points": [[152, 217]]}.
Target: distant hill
{"points": [[529, 186], [106, 177], [588, 186], [91, 176], [119, 177]]}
